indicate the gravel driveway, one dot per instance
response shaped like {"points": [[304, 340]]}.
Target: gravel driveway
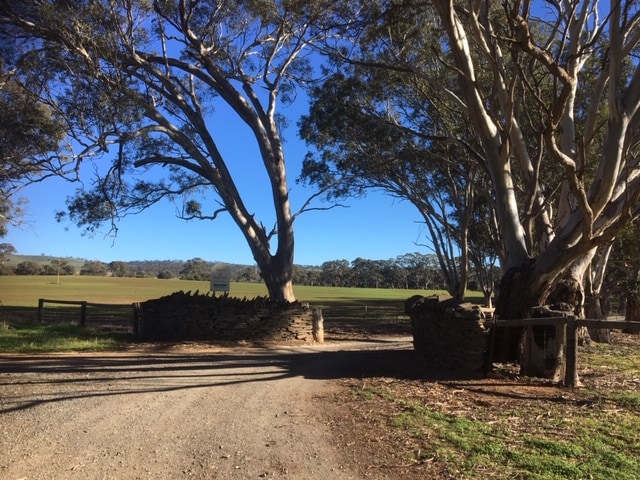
{"points": [[219, 413]]}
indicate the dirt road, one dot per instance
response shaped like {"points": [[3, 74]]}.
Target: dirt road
{"points": [[224, 413]]}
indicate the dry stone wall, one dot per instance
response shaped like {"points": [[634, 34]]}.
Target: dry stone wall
{"points": [[186, 316], [449, 336]]}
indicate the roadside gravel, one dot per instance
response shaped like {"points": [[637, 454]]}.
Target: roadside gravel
{"points": [[184, 412]]}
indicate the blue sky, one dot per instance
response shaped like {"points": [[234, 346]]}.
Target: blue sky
{"points": [[375, 227]]}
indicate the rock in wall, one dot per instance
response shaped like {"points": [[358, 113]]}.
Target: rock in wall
{"points": [[186, 316], [449, 336]]}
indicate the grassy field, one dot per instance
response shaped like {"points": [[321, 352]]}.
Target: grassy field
{"points": [[338, 304], [19, 294], [24, 291]]}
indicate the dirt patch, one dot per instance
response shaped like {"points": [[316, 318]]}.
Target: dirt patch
{"points": [[237, 412]]}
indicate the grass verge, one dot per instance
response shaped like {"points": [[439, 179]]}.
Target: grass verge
{"points": [[30, 337], [510, 427]]}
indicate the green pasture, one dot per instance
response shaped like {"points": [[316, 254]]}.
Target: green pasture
{"points": [[20, 330], [25, 290]]}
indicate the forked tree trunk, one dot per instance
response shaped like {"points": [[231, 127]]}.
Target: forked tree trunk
{"points": [[277, 275], [281, 290], [540, 350]]}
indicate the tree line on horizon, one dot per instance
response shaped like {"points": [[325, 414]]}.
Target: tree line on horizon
{"points": [[408, 271]]}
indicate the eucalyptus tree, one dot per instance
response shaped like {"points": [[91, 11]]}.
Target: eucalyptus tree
{"points": [[336, 273], [196, 269], [420, 270], [6, 249], [372, 139], [380, 122], [367, 273], [540, 100], [586, 129], [590, 210], [579, 212], [138, 83], [29, 137]]}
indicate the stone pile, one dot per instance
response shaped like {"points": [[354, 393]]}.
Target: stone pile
{"points": [[449, 336], [186, 316]]}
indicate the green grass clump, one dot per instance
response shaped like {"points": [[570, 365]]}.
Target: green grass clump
{"points": [[21, 337], [612, 357]]}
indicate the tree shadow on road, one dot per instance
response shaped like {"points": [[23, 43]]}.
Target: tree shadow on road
{"points": [[27, 381]]}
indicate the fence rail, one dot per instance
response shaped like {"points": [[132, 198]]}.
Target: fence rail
{"points": [[366, 313], [102, 313], [571, 324]]}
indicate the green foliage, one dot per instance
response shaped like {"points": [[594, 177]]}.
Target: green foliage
{"points": [[119, 269], [28, 132], [95, 267], [196, 269], [623, 275], [6, 249], [165, 274], [28, 268], [29, 138]]}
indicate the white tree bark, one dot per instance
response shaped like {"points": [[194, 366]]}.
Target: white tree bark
{"points": [[591, 207], [587, 211]]}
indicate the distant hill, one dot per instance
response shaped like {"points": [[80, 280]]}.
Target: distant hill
{"points": [[13, 260], [136, 267]]}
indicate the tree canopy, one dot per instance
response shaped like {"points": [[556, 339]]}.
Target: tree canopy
{"points": [[137, 84], [510, 121], [29, 139], [533, 111]]}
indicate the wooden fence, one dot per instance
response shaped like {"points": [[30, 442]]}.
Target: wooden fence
{"points": [[571, 324], [365, 313], [105, 312]]}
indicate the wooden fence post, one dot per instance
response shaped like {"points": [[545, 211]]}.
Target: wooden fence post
{"points": [[83, 314], [318, 325], [40, 308], [136, 320], [571, 370]]}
